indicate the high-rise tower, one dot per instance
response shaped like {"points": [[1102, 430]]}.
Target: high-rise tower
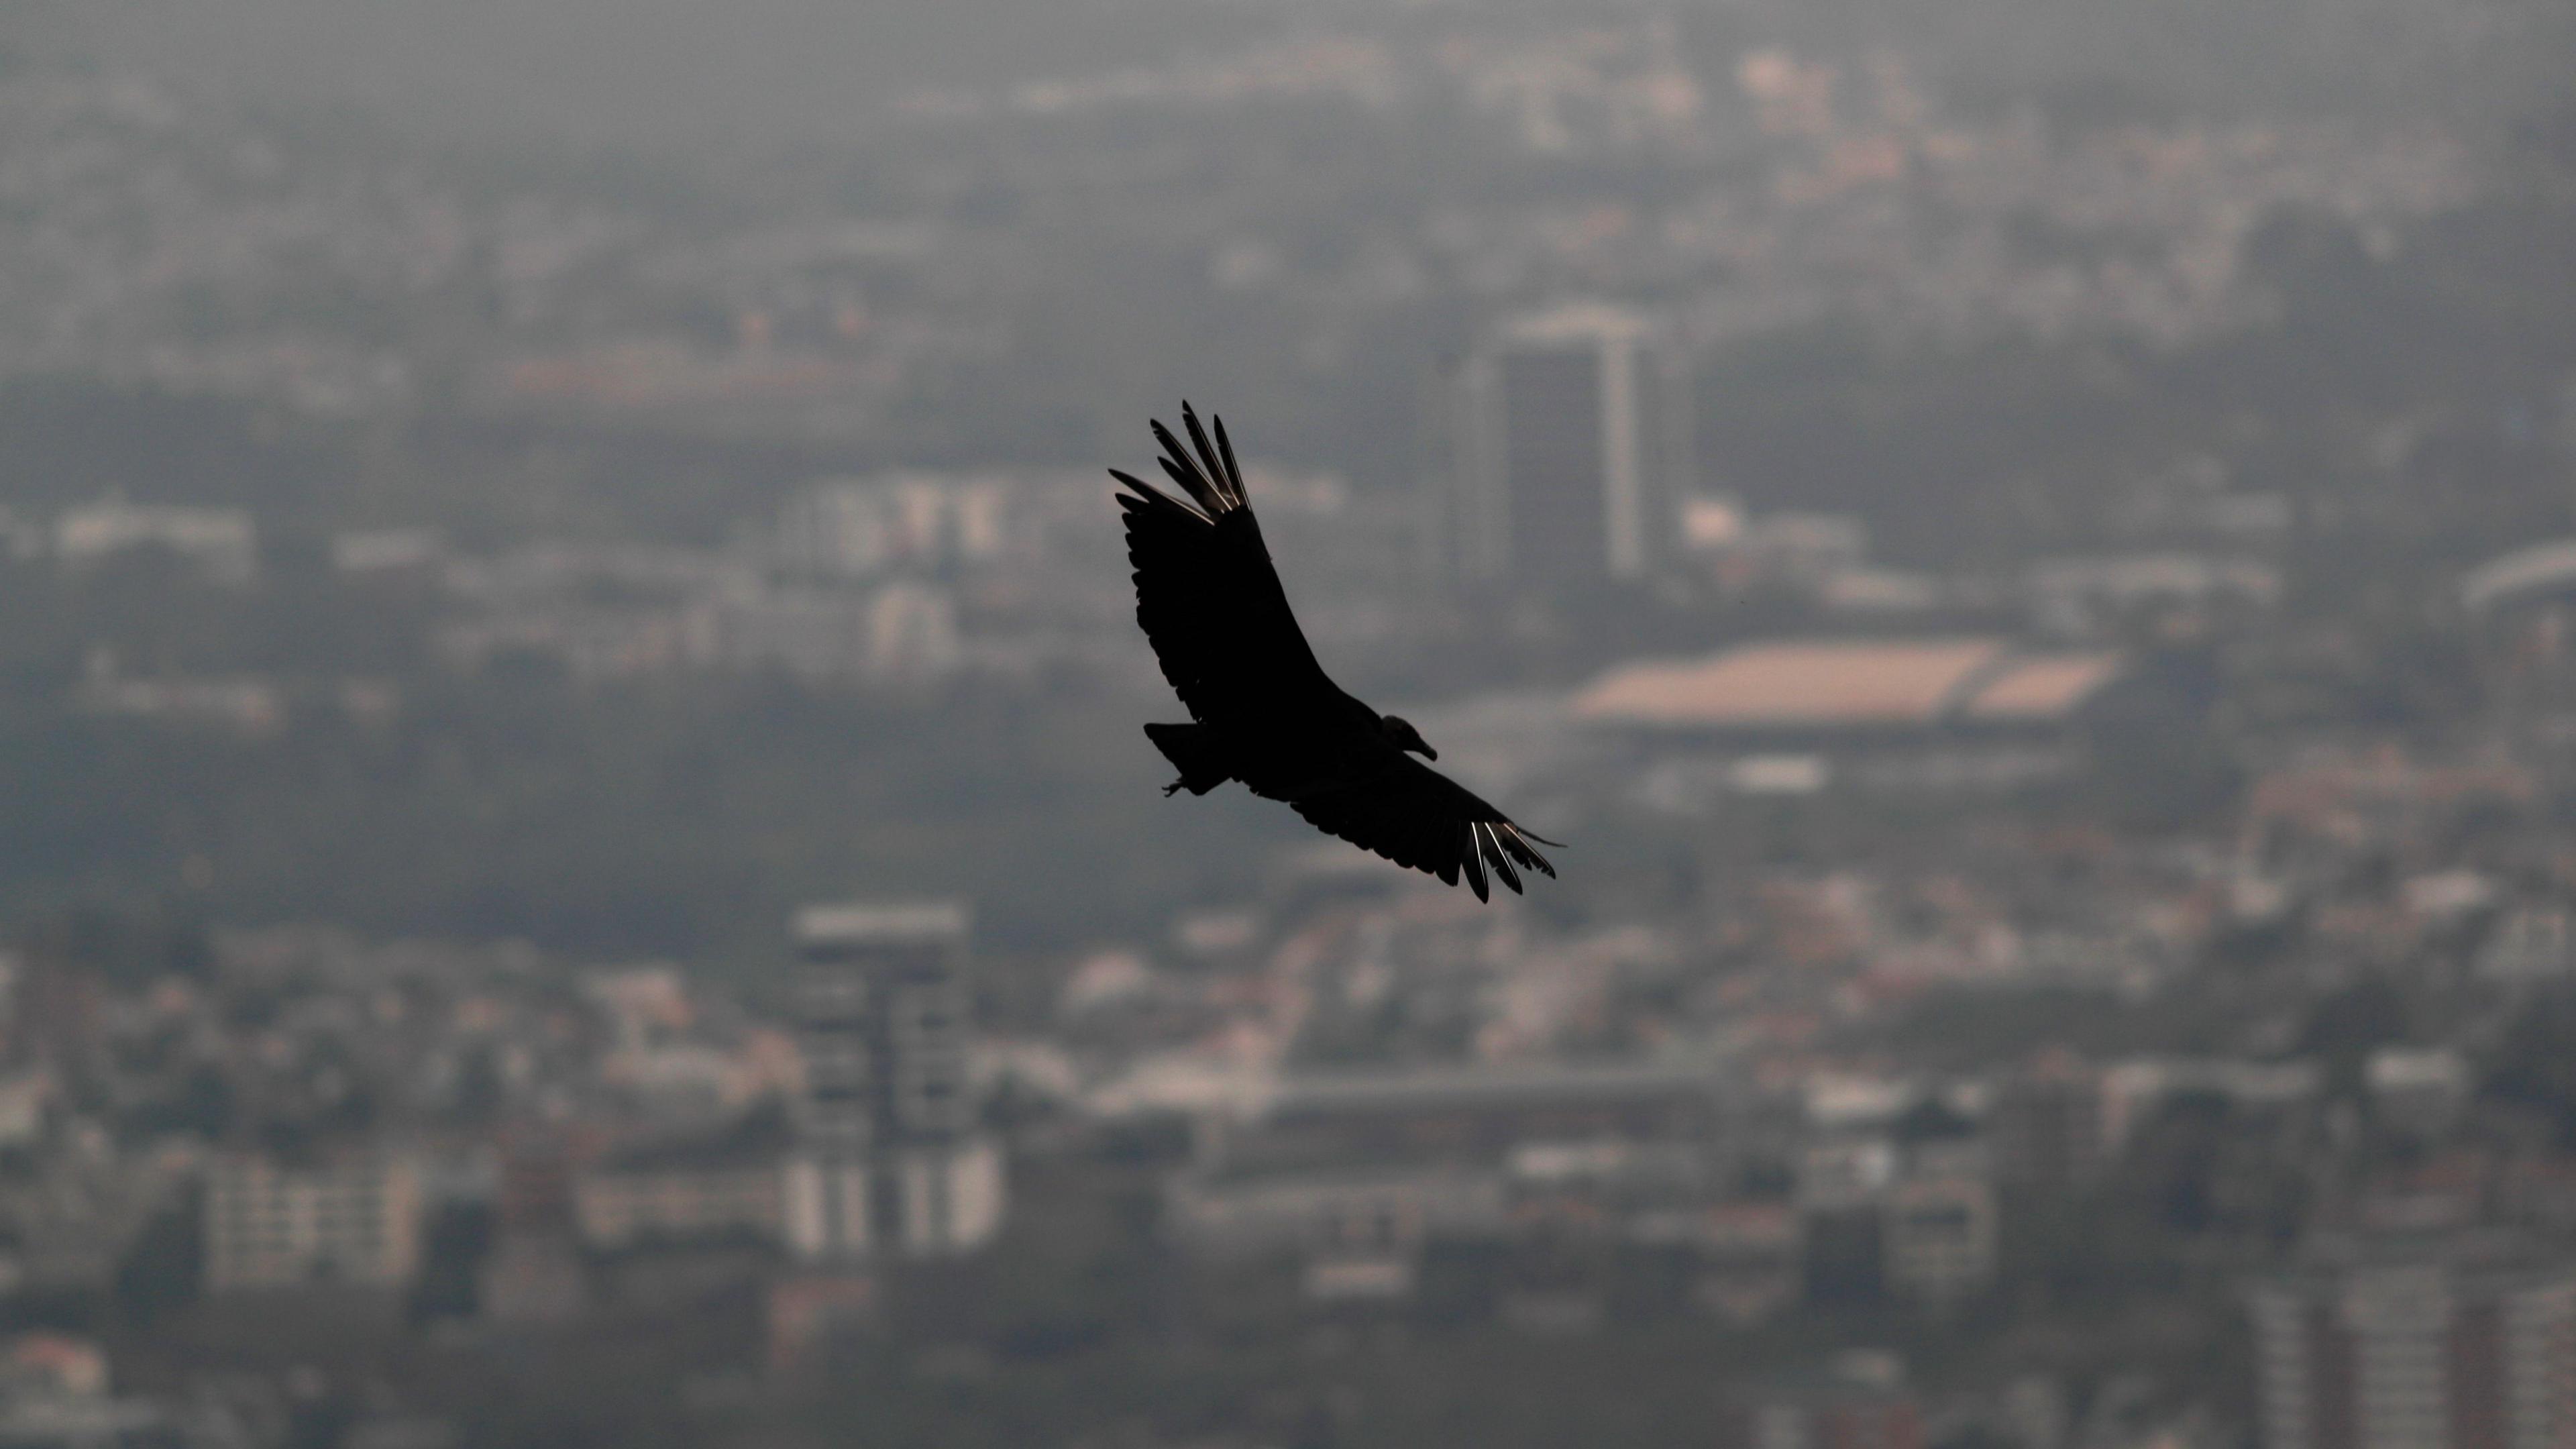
{"points": [[890, 1160], [1566, 440]]}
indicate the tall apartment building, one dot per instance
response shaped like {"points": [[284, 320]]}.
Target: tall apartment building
{"points": [[352, 1222], [2440, 1345], [2052, 1124], [1567, 440], [889, 1159]]}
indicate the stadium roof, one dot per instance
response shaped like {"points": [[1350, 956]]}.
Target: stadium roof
{"points": [[1845, 684], [2043, 688]]}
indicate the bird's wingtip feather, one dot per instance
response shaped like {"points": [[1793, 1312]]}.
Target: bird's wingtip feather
{"points": [[1207, 459], [1485, 840], [1520, 849], [1146, 497], [1225, 450]]}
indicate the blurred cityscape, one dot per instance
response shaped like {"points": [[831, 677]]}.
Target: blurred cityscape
{"points": [[577, 865]]}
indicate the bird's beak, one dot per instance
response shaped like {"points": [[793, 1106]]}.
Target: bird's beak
{"points": [[1429, 753]]}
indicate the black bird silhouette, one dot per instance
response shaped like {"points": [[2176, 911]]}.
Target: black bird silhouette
{"points": [[1262, 710]]}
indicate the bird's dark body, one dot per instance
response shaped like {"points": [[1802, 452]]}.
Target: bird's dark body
{"points": [[1262, 709], [1209, 755], [1285, 742]]}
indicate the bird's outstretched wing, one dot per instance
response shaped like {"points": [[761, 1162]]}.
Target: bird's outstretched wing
{"points": [[1206, 592], [1417, 817]]}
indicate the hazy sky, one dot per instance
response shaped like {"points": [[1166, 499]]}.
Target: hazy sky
{"points": [[642, 70], [726, 74]]}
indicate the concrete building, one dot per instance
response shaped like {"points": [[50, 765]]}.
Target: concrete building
{"points": [[1355, 1234], [854, 528], [1859, 1400], [2051, 1124], [45, 1365], [2453, 1343], [693, 1186], [807, 1310], [2521, 615], [1752, 1261], [904, 631], [1478, 1113], [220, 541], [354, 1222], [1228, 1215], [1354, 1172], [2530, 945], [77, 1423], [2417, 1091], [888, 1157], [628, 1203], [1562, 470], [534, 1272], [532, 1278], [2133, 1090], [1938, 1238]]}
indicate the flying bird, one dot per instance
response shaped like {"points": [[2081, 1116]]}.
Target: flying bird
{"points": [[1262, 710]]}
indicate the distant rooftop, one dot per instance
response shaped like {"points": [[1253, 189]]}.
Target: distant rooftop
{"points": [[1480, 1086], [2541, 568], [1586, 322], [1849, 683], [2475, 1259], [759, 1136], [881, 921]]}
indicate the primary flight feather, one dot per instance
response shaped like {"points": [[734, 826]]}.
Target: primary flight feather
{"points": [[1262, 709]]}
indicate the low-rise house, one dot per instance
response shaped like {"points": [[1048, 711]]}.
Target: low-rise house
{"points": [[722, 1185], [1939, 1237]]}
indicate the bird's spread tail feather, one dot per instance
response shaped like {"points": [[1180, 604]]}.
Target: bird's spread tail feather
{"points": [[1188, 746]]}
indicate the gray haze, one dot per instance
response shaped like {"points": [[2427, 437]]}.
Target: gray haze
{"points": [[759, 72], [639, 70], [579, 869]]}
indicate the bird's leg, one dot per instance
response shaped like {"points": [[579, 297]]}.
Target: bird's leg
{"points": [[1173, 788]]}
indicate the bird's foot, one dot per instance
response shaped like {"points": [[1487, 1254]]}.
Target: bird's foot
{"points": [[1172, 789]]}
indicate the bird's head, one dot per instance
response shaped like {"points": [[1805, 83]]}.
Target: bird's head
{"points": [[1404, 736]]}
